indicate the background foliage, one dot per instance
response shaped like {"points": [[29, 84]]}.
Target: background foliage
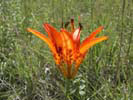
{"points": [[27, 69]]}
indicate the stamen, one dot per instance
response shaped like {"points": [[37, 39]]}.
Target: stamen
{"points": [[72, 24], [80, 25], [66, 24]]}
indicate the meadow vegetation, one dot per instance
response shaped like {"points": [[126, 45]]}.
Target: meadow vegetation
{"points": [[27, 68]]}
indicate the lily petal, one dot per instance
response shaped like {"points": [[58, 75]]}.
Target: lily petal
{"points": [[68, 50], [44, 38], [85, 46], [93, 34], [68, 39], [53, 34], [76, 35]]}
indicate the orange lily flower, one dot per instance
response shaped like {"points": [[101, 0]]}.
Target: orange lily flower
{"points": [[66, 48]]}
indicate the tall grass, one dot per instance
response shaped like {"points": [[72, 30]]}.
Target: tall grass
{"points": [[27, 69]]}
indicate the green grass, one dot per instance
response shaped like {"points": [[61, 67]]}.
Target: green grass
{"points": [[105, 74]]}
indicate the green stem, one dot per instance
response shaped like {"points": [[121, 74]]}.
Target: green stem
{"points": [[67, 88]]}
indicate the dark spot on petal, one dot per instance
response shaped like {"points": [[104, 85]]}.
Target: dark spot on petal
{"points": [[59, 50]]}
